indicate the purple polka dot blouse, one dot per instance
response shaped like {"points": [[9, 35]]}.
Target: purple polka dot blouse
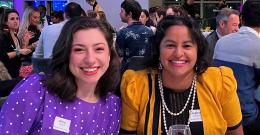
{"points": [[30, 109]]}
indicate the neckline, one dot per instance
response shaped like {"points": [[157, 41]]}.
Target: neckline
{"points": [[83, 101]]}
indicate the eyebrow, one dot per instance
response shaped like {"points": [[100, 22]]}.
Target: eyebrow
{"points": [[189, 41], [96, 44]]}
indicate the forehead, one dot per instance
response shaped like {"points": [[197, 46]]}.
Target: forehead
{"points": [[233, 17], [12, 14], [177, 29], [92, 34], [35, 13]]}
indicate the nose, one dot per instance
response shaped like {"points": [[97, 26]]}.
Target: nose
{"points": [[89, 58], [236, 29], [178, 52]]}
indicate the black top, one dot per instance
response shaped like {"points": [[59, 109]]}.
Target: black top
{"points": [[175, 102], [7, 45]]}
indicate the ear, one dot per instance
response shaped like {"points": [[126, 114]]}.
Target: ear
{"points": [[129, 14], [221, 24]]}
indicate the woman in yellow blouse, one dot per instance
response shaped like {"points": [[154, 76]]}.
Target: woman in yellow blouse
{"points": [[179, 87]]}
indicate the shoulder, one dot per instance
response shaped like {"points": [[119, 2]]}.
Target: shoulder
{"points": [[53, 27], [229, 39], [30, 85], [135, 83], [217, 74], [219, 80], [137, 76], [218, 71], [113, 99]]}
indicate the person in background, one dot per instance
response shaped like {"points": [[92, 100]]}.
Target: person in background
{"points": [[102, 15], [144, 19], [176, 10], [92, 14], [95, 5], [240, 51], [29, 33], [48, 38], [190, 8], [227, 22], [132, 40], [179, 87], [77, 98], [10, 51], [57, 17], [45, 19]]}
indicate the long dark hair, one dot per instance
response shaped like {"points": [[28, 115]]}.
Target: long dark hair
{"points": [[153, 53], [4, 18], [62, 81]]}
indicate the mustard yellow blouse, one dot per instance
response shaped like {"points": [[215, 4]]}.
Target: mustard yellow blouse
{"points": [[216, 92]]}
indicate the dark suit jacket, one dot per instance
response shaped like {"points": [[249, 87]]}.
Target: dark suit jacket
{"points": [[212, 39]]}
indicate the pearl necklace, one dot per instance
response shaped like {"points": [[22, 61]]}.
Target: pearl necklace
{"points": [[192, 90]]}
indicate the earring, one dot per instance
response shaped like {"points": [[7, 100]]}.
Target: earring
{"points": [[196, 68], [160, 66]]}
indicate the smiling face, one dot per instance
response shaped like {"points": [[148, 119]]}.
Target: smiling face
{"points": [[89, 58], [35, 18], [232, 25], [12, 21], [178, 53]]}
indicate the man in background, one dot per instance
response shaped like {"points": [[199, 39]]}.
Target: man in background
{"points": [[227, 22], [49, 36], [241, 52], [132, 40]]}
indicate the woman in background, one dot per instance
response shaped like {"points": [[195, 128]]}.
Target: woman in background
{"points": [[10, 50], [145, 19], [29, 33]]}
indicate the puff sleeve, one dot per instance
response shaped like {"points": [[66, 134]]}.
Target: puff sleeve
{"points": [[229, 99], [132, 87]]}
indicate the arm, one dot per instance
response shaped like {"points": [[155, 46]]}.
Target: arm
{"points": [[238, 131], [230, 103], [22, 107], [38, 53], [130, 104]]}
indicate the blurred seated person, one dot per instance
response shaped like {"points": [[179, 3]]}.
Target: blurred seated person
{"points": [[227, 22], [77, 98]]}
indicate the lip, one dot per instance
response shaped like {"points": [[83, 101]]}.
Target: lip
{"points": [[178, 63], [90, 71]]}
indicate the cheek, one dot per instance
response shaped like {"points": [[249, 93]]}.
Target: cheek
{"points": [[165, 53]]}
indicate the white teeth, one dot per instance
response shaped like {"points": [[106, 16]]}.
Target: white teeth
{"points": [[178, 62], [89, 69]]}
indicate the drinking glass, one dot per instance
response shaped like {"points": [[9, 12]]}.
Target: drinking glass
{"points": [[179, 130]]}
